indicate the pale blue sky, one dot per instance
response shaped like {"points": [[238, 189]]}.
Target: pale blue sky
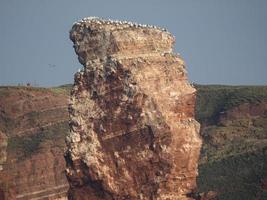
{"points": [[222, 41]]}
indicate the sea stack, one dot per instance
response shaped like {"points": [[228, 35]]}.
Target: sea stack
{"points": [[133, 132]]}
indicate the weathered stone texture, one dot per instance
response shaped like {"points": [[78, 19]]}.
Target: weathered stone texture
{"points": [[33, 122], [133, 132], [3, 151]]}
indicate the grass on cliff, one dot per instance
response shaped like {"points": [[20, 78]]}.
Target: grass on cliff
{"points": [[5, 91], [26, 146], [234, 154], [63, 89], [213, 99], [8, 124], [237, 177]]}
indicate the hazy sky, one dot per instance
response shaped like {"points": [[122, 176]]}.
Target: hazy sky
{"points": [[222, 41]]}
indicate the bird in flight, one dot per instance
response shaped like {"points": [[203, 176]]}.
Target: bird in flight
{"points": [[52, 65]]}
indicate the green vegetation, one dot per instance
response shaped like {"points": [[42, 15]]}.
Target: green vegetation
{"points": [[30, 143], [26, 146], [236, 177], [234, 153], [6, 123], [63, 89], [213, 99], [5, 91]]}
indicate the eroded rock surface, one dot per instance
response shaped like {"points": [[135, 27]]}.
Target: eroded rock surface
{"points": [[133, 132], [3, 150], [33, 126]]}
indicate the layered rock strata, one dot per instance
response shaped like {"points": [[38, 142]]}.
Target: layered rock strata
{"points": [[133, 133], [3, 150], [33, 127]]}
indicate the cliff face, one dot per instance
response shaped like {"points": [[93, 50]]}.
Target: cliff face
{"points": [[3, 151], [234, 130], [33, 125], [133, 133], [232, 163]]}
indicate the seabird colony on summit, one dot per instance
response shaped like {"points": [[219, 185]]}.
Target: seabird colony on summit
{"points": [[99, 21]]}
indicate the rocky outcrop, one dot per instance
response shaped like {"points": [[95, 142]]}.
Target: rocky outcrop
{"points": [[33, 125], [133, 132], [3, 151]]}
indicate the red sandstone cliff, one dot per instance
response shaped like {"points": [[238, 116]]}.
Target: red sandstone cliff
{"points": [[133, 132], [33, 124], [236, 140]]}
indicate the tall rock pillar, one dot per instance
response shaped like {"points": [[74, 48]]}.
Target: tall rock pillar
{"points": [[133, 133]]}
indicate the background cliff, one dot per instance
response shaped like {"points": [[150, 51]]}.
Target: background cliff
{"points": [[233, 159], [33, 126], [234, 131]]}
